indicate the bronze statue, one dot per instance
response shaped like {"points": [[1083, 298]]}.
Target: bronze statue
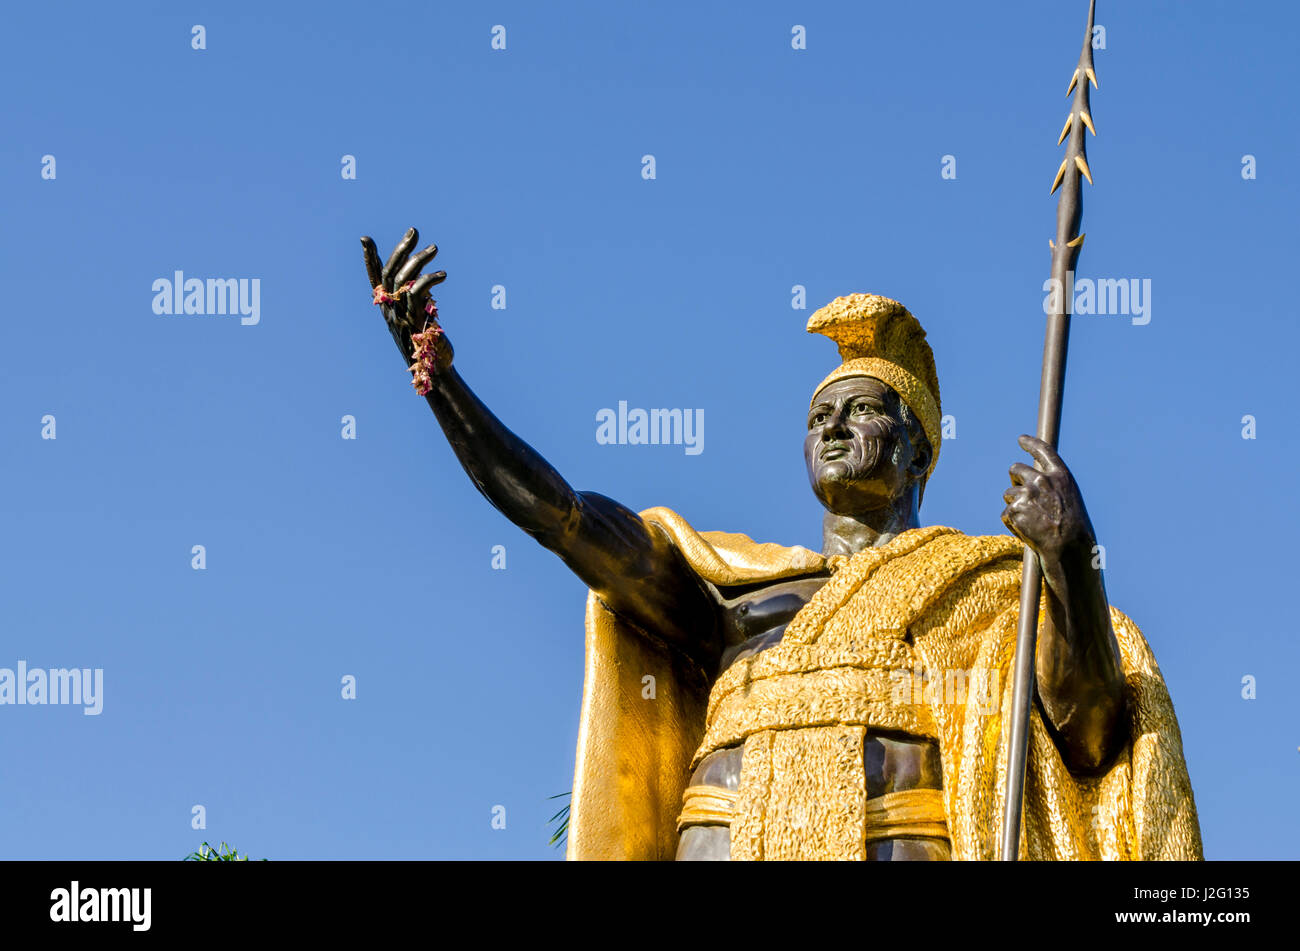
{"points": [[757, 701], [868, 455]]}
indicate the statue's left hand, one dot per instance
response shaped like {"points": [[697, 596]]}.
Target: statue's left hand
{"points": [[1045, 508]]}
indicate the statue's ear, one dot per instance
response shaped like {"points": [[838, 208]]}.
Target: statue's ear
{"points": [[921, 456]]}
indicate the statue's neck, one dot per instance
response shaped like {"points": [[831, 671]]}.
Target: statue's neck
{"points": [[849, 534]]}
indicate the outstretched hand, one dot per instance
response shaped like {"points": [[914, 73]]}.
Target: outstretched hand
{"points": [[403, 295]]}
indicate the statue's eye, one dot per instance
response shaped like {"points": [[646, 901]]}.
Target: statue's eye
{"points": [[817, 420], [863, 408]]}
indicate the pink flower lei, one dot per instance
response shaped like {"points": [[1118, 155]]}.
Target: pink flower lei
{"points": [[424, 342], [426, 354]]}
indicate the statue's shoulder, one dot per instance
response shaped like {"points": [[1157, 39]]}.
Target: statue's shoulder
{"points": [[947, 536], [942, 552], [728, 558]]}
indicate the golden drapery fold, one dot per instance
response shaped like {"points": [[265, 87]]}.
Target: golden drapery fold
{"points": [[892, 641]]}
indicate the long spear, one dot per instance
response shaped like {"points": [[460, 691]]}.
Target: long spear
{"points": [[1065, 252]]}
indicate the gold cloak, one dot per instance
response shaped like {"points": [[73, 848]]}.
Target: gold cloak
{"points": [[931, 600]]}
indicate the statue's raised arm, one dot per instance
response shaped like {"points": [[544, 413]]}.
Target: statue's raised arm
{"points": [[631, 565]]}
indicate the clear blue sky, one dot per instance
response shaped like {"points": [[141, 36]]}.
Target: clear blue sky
{"points": [[775, 167]]}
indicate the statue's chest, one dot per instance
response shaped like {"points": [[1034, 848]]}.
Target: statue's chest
{"points": [[755, 619]]}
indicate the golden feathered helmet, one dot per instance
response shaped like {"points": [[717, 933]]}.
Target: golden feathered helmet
{"points": [[878, 337]]}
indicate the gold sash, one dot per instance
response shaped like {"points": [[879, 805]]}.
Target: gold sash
{"points": [[906, 812]]}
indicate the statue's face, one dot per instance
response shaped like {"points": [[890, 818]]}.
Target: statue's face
{"points": [[859, 452]]}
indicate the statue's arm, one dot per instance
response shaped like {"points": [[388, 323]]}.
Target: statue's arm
{"points": [[633, 566], [1079, 674]]}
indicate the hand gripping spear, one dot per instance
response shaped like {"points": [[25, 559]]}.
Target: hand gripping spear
{"points": [[1065, 252]]}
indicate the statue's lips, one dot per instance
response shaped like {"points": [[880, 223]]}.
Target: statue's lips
{"points": [[839, 450]]}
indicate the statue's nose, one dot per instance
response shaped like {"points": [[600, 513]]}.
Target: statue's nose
{"points": [[835, 426]]}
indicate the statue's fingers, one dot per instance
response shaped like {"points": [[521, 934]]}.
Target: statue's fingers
{"points": [[1041, 451], [1022, 474], [415, 265], [417, 299], [398, 256], [371, 256], [427, 281], [1013, 521]]}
